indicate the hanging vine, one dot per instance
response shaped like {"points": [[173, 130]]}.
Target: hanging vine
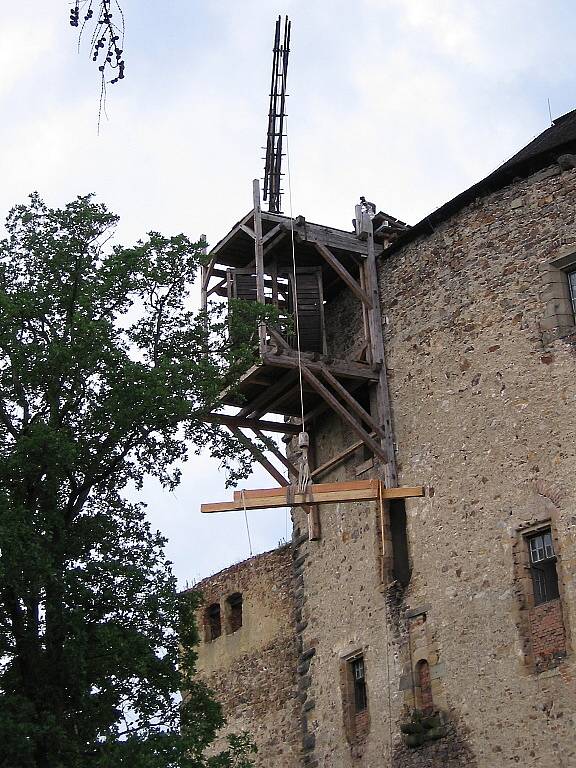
{"points": [[107, 39]]}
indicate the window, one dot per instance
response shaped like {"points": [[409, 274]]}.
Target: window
{"points": [[213, 623], [558, 294], [359, 682], [234, 606], [571, 275], [543, 567]]}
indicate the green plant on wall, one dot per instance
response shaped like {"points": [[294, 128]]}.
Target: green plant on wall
{"points": [[422, 728]]}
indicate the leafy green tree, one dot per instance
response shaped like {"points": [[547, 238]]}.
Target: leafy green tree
{"points": [[104, 372]]}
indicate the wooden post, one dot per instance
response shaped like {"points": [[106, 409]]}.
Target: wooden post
{"points": [[259, 260], [378, 356]]}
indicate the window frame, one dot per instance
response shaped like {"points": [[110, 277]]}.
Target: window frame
{"points": [[543, 570], [360, 690]]}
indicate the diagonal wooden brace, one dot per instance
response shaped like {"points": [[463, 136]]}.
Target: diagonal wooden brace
{"points": [[336, 406]]}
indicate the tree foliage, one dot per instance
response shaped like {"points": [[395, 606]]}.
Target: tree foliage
{"points": [[104, 370]]}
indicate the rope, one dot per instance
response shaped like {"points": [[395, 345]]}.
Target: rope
{"points": [[295, 291], [303, 441], [246, 520]]}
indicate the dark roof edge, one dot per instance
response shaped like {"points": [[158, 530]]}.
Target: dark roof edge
{"points": [[498, 179]]}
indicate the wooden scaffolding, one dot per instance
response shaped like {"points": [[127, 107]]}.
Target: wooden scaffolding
{"points": [[255, 262]]}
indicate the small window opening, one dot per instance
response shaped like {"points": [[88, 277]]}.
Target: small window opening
{"points": [[234, 612], [543, 567], [359, 681], [213, 622], [400, 559]]}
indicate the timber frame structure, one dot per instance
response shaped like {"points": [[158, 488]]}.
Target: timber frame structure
{"points": [[255, 262]]}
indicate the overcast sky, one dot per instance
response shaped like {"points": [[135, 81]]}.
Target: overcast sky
{"points": [[406, 102]]}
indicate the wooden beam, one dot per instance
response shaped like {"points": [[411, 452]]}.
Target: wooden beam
{"points": [[273, 232], [378, 356], [354, 404], [346, 485], [329, 493], [276, 452], [338, 458], [271, 244], [259, 456], [343, 368], [265, 426], [259, 258], [217, 288], [343, 273], [248, 231], [268, 396], [323, 406], [336, 406], [278, 338]]}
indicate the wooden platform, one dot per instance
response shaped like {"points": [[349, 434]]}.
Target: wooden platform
{"points": [[323, 493]]}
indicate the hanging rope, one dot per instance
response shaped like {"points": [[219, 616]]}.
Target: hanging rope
{"points": [[303, 439], [246, 520]]}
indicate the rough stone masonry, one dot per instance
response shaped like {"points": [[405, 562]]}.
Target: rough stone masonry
{"points": [[481, 342]]}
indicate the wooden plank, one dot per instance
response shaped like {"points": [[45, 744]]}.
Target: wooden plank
{"points": [[265, 426], [343, 413], [248, 231], [349, 485], [343, 273], [259, 456], [282, 499]]}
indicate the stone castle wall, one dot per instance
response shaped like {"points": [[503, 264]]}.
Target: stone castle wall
{"points": [[253, 669], [483, 402], [482, 373]]}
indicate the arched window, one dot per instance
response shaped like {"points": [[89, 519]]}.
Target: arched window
{"points": [[424, 687], [213, 622], [234, 610]]}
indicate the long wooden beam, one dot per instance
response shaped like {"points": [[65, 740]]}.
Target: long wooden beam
{"points": [[337, 406], [338, 458], [327, 493], [351, 402], [265, 426], [268, 396], [276, 452], [259, 456], [342, 368], [343, 273]]}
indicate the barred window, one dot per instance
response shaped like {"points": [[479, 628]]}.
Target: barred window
{"points": [[543, 567], [359, 679]]}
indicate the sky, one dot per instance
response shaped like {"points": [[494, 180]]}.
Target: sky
{"points": [[406, 102]]}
